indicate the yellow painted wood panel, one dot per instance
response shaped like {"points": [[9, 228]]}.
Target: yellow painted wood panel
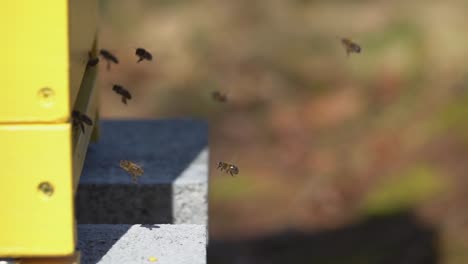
{"points": [[44, 51], [36, 222], [34, 52]]}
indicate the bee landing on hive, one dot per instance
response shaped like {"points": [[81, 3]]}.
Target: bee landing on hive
{"points": [[79, 119], [131, 168], [92, 61]]}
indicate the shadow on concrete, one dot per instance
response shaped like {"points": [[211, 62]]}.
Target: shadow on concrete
{"points": [[398, 238], [163, 148], [150, 227], [94, 243]]}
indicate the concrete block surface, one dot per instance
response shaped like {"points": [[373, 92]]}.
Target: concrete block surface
{"points": [[165, 244], [173, 188]]}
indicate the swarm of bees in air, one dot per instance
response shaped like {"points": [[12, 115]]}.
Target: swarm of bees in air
{"points": [[218, 96], [79, 120], [133, 169], [350, 46], [109, 57], [123, 92], [228, 168], [143, 55]]}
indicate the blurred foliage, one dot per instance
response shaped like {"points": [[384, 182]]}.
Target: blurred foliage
{"points": [[402, 192]]}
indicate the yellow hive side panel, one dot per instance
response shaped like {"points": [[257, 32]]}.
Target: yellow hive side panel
{"points": [[34, 223], [34, 52]]}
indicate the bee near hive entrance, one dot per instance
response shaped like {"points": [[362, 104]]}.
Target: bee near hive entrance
{"points": [[120, 90], [143, 54], [109, 57], [79, 120], [132, 168]]}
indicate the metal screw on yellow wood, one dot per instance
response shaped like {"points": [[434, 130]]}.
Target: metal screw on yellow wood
{"points": [[46, 96], [46, 188]]}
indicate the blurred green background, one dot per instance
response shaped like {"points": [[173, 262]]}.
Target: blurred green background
{"points": [[322, 140]]}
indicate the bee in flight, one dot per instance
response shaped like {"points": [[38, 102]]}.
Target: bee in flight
{"points": [[109, 57], [350, 46], [123, 92], [143, 55], [92, 61], [218, 96], [79, 120], [228, 168], [133, 169]]}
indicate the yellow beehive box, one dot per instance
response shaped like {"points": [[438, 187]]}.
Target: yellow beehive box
{"points": [[44, 51]]}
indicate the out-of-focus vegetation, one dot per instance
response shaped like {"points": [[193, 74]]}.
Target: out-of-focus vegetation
{"points": [[321, 139]]}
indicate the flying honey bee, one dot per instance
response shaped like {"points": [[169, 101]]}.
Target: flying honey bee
{"points": [[228, 168], [123, 92], [143, 55], [79, 120], [133, 169], [109, 57], [92, 61], [350, 46], [218, 96]]}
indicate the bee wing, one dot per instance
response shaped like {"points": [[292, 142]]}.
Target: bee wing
{"points": [[115, 60], [149, 56], [117, 88], [87, 120], [127, 94], [357, 48]]}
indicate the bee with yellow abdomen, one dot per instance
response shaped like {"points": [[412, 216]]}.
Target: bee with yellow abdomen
{"points": [[131, 168]]}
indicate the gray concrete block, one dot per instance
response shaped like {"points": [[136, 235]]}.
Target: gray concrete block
{"points": [[173, 188], [169, 244], [190, 192]]}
